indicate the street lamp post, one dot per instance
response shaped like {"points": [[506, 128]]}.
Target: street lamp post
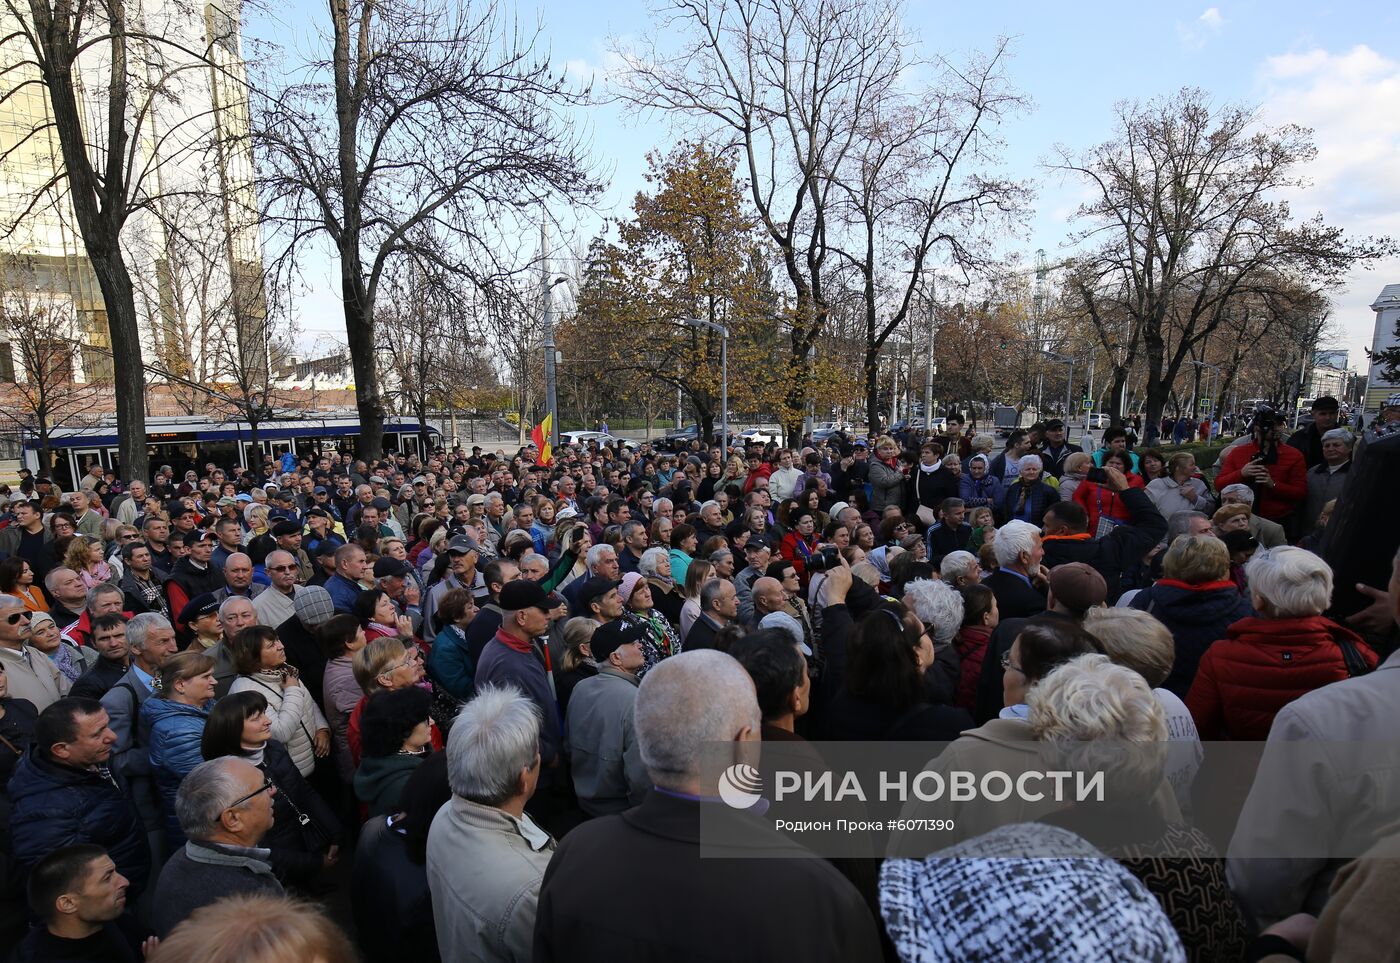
{"points": [[723, 333]]}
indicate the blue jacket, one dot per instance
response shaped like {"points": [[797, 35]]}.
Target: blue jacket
{"points": [[502, 664], [1041, 497], [1197, 615], [57, 805], [172, 732], [450, 665], [976, 493], [343, 593]]}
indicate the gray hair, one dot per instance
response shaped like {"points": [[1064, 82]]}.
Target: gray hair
{"points": [[955, 564], [1339, 434], [492, 498], [223, 606], [646, 565], [709, 592], [596, 554], [205, 793], [1012, 539], [937, 605], [656, 505], [54, 575], [495, 736], [99, 590], [1180, 523], [630, 527], [1027, 459], [530, 558], [1244, 492], [686, 702], [139, 627], [709, 504]]}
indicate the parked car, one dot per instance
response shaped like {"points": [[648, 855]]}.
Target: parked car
{"points": [[1097, 421], [762, 435], [582, 438]]}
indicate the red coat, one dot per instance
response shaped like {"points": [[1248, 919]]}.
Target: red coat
{"points": [[1290, 476], [1098, 500], [1261, 666]]}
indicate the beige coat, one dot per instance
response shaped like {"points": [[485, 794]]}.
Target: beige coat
{"points": [[33, 676], [484, 871], [1328, 782]]}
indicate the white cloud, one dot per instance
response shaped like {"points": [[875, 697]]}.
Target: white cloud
{"points": [[1201, 31], [1348, 99]]}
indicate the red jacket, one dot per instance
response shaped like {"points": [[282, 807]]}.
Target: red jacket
{"points": [[1261, 666], [971, 643], [1099, 500], [1290, 475]]}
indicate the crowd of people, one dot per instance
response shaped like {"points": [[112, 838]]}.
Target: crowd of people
{"points": [[457, 704]]}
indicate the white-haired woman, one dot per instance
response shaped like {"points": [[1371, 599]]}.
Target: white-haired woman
{"points": [[1289, 649], [939, 608], [1093, 714]]}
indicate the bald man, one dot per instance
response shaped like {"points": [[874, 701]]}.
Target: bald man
{"points": [[767, 597]]}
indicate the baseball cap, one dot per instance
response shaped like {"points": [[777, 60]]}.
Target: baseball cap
{"points": [[324, 548], [524, 594], [611, 636], [386, 567], [861, 443], [1077, 586], [461, 545], [593, 589], [319, 490], [243, 497], [1054, 424], [565, 513], [197, 535]]}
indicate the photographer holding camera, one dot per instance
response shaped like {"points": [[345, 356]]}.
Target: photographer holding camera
{"points": [[1276, 473]]}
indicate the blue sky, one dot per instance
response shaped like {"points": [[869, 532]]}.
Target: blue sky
{"points": [[1331, 67]]}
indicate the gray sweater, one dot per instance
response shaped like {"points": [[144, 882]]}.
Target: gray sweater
{"points": [[201, 873], [607, 765]]}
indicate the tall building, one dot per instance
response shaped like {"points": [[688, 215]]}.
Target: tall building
{"points": [[1387, 308], [193, 246]]}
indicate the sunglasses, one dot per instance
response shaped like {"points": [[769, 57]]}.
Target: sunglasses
{"points": [[267, 784], [13, 618]]}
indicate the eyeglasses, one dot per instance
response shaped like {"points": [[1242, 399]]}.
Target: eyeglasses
{"points": [[267, 784], [1006, 663], [14, 617], [282, 568]]}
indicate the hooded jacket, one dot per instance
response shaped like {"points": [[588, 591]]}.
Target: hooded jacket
{"points": [[1262, 665], [1197, 615]]}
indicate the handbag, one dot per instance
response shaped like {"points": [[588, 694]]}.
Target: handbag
{"points": [[316, 838]]}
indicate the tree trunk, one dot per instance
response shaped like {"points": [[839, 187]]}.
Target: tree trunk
{"points": [[872, 387], [124, 332], [359, 334]]}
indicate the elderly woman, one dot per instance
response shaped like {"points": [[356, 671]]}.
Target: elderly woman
{"points": [[297, 722], [1076, 469], [1289, 649], [1096, 712], [1181, 488], [1327, 478], [939, 609], [1269, 533], [639, 608], [44, 636], [887, 476], [1196, 600], [977, 488], [655, 567], [1028, 498]]}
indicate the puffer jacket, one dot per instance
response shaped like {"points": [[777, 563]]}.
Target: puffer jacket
{"points": [[172, 731], [294, 714], [1262, 665], [971, 644], [886, 487], [57, 805], [1197, 615]]}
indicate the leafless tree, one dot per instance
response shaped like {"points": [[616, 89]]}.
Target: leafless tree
{"points": [[416, 118], [1186, 217], [39, 328], [787, 84]]}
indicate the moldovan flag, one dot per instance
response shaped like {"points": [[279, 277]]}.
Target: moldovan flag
{"points": [[540, 437]]}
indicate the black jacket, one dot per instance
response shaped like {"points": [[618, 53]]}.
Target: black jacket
{"points": [[656, 848], [94, 683], [304, 652], [943, 540], [296, 852], [1054, 461], [1015, 598], [701, 635], [930, 488], [1118, 556], [851, 719], [389, 894], [1308, 440], [989, 692]]}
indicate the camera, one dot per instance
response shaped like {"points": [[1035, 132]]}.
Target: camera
{"points": [[1097, 475], [824, 559]]}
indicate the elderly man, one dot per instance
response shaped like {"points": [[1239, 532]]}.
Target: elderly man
{"points": [[30, 674], [719, 606], [601, 562], [634, 544], [767, 598], [89, 518], [235, 615], [486, 856], [344, 585], [274, 604], [757, 555], [959, 569], [238, 579], [1269, 534], [1019, 551], [225, 809], [1327, 479], [513, 658], [940, 609], [685, 704], [68, 595], [604, 760], [65, 791], [151, 640], [126, 507], [103, 598]]}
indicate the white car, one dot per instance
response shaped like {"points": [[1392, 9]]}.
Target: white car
{"points": [[1097, 421], [762, 435], [582, 438]]}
